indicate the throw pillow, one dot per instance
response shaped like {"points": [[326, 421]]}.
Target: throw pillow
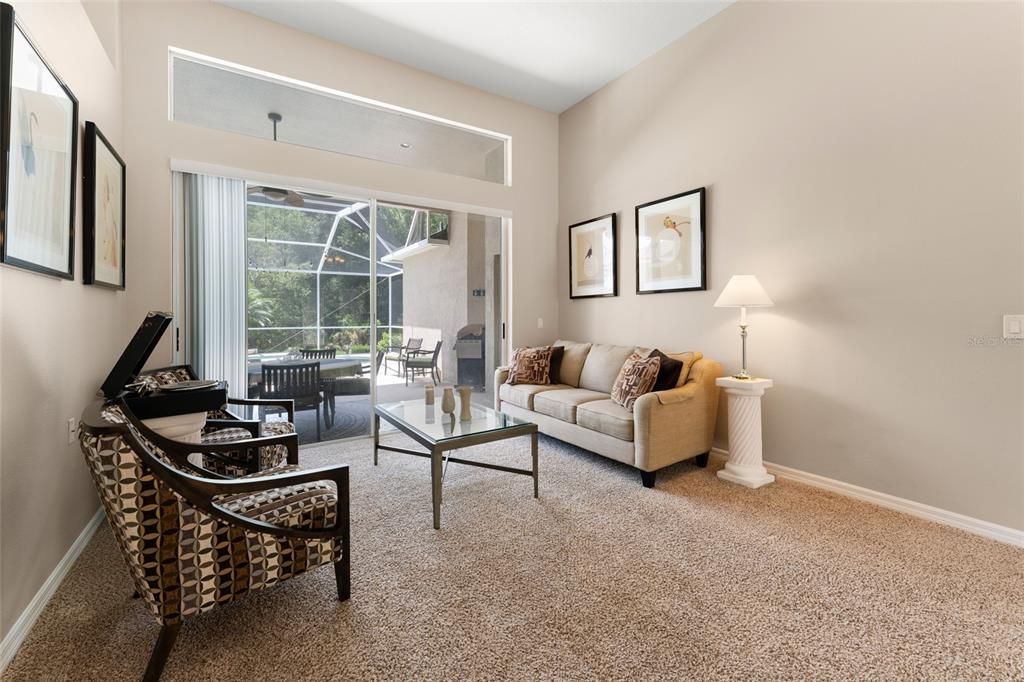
{"points": [[556, 364], [530, 366], [688, 359], [635, 378], [668, 372]]}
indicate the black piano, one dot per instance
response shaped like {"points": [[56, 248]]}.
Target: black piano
{"points": [[121, 382]]}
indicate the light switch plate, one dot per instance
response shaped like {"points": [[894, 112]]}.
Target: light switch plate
{"points": [[1013, 326]]}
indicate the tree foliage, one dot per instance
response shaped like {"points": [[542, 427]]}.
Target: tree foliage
{"points": [[289, 299]]}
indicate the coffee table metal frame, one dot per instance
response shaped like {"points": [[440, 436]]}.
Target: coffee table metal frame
{"points": [[436, 449]]}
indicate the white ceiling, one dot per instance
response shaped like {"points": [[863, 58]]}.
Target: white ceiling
{"points": [[548, 54]]}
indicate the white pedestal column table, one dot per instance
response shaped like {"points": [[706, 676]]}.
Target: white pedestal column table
{"points": [[745, 465]]}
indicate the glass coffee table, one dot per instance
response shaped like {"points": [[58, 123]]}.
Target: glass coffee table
{"points": [[440, 433]]}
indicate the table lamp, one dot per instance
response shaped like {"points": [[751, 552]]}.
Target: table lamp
{"points": [[743, 291]]}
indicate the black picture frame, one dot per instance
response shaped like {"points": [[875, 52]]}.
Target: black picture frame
{"points": [[573, 282], [9, 29], [700, 195], [95, 143]]}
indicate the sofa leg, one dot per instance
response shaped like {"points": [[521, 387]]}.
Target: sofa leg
{"points": [[164, 644], [701, 460], [647, 478]]}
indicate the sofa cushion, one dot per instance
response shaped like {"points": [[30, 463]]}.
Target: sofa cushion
{"points": [[635, 378], [562, 404], [602, 366], [530, 366], [522, 395], [573, 357], [687, 359], [607, 417]]}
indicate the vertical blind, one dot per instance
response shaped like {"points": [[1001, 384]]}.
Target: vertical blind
{"points": [[214, 225]]}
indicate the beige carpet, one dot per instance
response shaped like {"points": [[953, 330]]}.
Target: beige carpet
{"points": [[599, 579]]}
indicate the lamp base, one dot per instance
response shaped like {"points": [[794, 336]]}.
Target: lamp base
{"points": [[743, 375]]}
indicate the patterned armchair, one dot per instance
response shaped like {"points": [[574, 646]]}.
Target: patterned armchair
{"points": [[223, 426], [192, 539]]}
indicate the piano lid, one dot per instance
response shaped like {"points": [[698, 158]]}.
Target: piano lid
{"points": [[136, 353]]}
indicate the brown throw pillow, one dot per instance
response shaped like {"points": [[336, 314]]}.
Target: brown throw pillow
{"points": [[530, 366], [556, 364], [635, 378], [668, 373]]}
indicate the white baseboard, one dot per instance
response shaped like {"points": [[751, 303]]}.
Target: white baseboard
{"points": [[19, 631], [993, 531]]}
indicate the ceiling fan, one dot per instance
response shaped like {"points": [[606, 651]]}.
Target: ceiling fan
{"points": [[290, 197]]}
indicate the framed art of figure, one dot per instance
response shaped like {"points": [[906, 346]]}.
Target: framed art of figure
{"points": [[670, 244], [39, 140], [593, 258], [103, 211]]}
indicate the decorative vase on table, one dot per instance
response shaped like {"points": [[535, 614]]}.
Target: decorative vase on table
{"points": [[465, 400], [429, 394], [448, 401]]}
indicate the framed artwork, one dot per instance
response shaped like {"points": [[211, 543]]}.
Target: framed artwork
{"points": [[39, 140], [593, 258], [670, 244], [104, 209]]}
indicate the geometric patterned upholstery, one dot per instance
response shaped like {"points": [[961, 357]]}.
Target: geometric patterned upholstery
{"points": [[268, 457], [304, 505], [185, 561]]}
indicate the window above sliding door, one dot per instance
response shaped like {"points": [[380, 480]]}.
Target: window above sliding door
{"points": [[214, 94]]}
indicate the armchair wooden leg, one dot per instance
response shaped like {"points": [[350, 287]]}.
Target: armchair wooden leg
{"points": [[647, 478], [318, 423], [343, 577], [164, 644], [701, 460]]}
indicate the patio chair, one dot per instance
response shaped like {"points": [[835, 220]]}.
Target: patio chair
{"points": [[318, 353], [224, 426], [423, 362], [299, 383], [193, 540], [399, 354]]}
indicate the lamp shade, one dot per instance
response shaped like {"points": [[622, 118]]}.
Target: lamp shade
{"points": [[743, 291]]}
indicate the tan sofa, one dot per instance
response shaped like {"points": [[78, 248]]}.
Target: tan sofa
{"points": [[664, 427]]}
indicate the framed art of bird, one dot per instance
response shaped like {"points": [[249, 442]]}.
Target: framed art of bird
{"points": [[593, 258]]}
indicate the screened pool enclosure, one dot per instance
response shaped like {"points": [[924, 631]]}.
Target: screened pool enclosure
{"points": [[308, 269]]}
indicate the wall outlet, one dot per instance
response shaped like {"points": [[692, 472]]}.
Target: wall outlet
{"points": [[1013, 326], [72, 430], [540, 323]]}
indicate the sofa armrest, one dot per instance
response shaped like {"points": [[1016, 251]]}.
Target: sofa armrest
{"points": [[679, 394], [677, 424], [500, 377]]}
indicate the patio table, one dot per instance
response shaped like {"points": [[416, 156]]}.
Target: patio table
{"points": [[329, 368]]}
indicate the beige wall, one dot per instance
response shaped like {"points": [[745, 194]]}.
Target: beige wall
{"points": [[149, 28], [58, 339], [864, 161]]}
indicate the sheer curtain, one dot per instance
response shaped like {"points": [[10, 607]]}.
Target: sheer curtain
{"points": [[215, 309]]}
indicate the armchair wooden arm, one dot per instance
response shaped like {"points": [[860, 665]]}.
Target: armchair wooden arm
{"points": [[250, 425], [179, 451], [285, 404]]}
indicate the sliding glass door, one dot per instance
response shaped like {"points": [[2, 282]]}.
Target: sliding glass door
{"points": [[356, 288]]}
